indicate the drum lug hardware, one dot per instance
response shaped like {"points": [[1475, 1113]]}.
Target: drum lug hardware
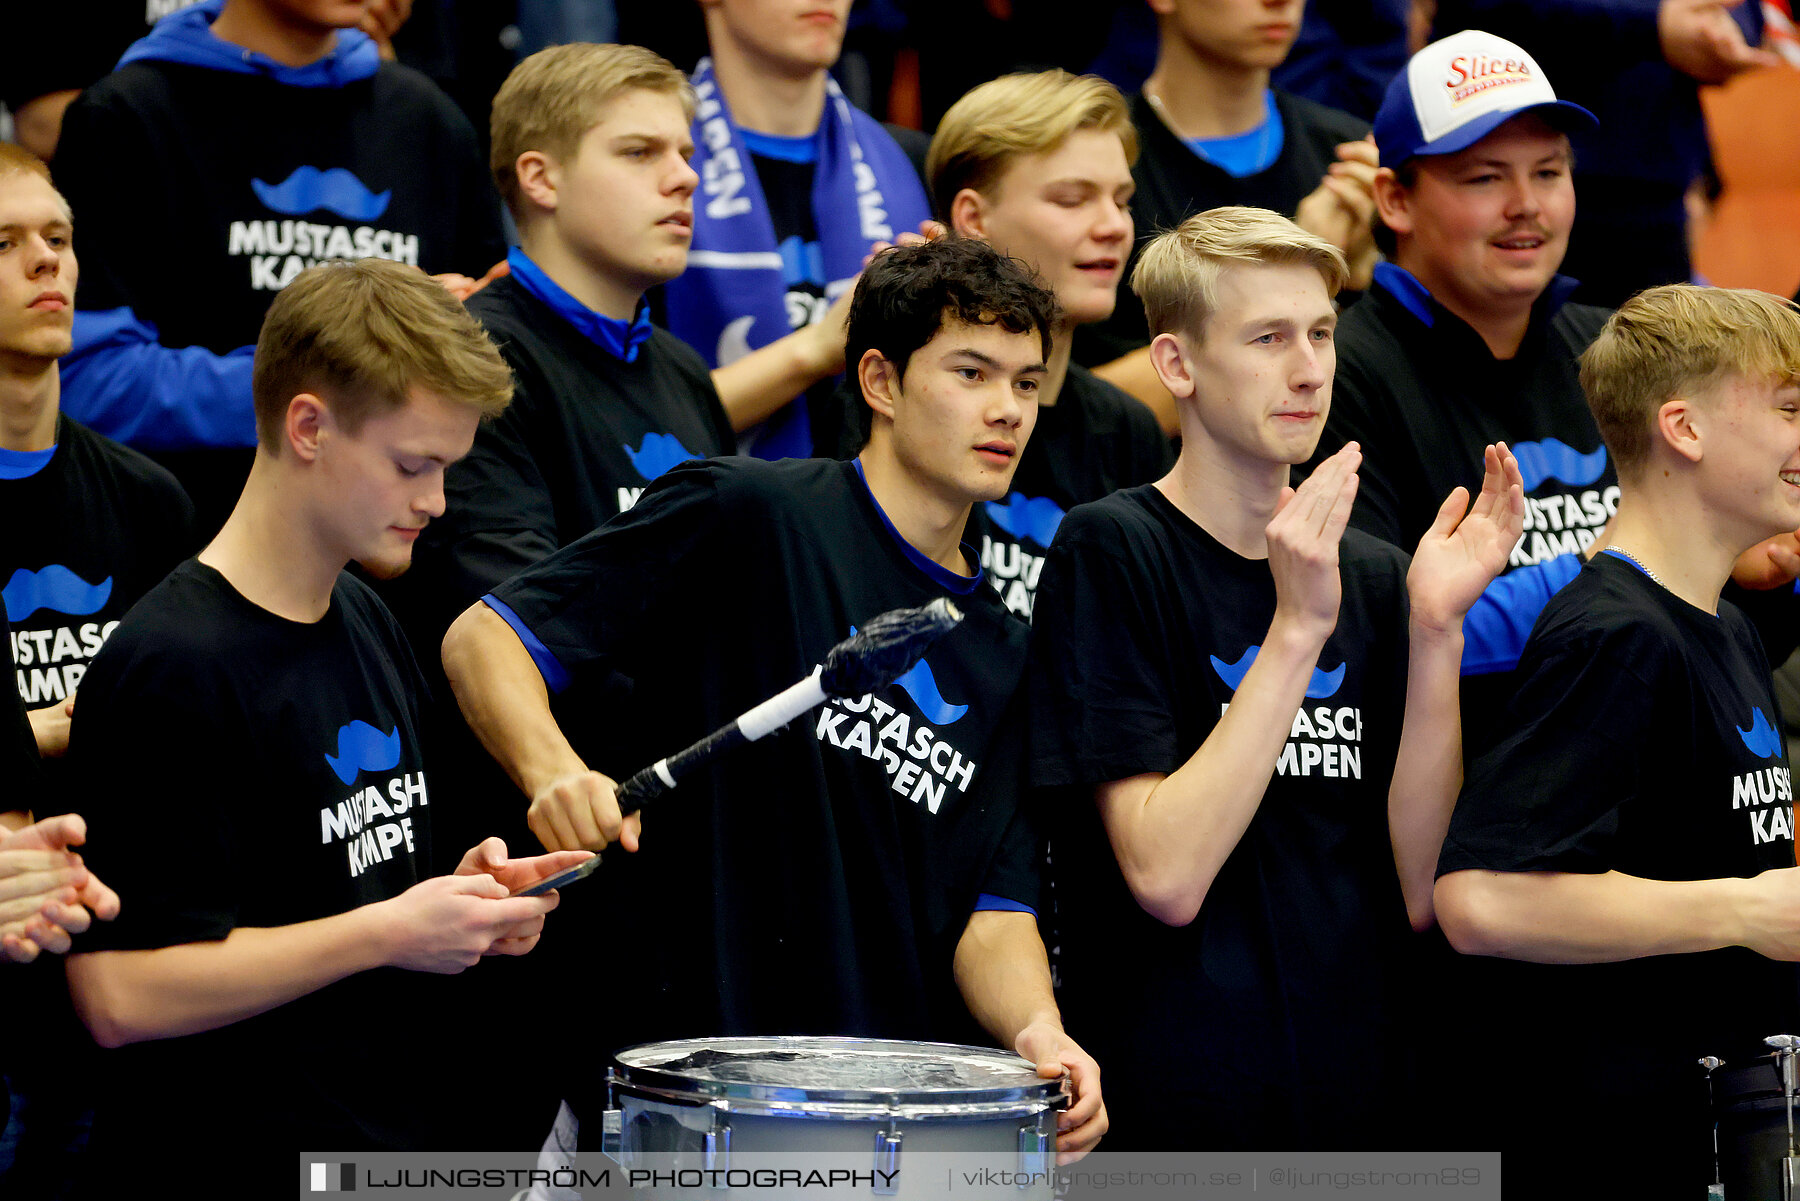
{"points": [[612, 1124], [612, 1134], [1037, 1150], [715, 1146], [887, 1162]]}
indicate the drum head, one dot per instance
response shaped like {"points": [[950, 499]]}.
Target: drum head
{"points": [[848, 1076]]}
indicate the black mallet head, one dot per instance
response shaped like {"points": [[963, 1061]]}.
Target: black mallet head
{"points": [[882, 651]]}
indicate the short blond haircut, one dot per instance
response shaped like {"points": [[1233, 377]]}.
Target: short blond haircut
{"points": [[1177, 275], [1679, 340], [361, 335], [554, 97], [1018, 115]]}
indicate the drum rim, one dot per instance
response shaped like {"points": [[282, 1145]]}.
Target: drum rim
{"points": [[775, 1100]]}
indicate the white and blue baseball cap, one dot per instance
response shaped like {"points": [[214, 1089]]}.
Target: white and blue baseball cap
{"points": [[1456, 91]]}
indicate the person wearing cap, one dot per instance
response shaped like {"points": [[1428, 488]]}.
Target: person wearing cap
{"points": [[1467, 335], [1638, 65]]}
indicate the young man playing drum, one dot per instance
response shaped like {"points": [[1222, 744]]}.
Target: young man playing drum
{"points": [[1258, 745], [1637, 817], [856, 872]]}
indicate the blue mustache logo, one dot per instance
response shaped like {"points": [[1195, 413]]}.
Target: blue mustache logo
{"points": [[55, 588], [309, 189], [1761, 738], [1033, 517], [361, 747], [1322, 685], [658, 453], [921, 685], [1550, 459]]}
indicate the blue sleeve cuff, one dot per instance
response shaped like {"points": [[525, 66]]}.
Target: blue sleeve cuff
{"points": [[556, 676], [1495, 630], [988, 901]]}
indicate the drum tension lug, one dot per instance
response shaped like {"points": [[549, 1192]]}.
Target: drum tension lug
{"points": [[887, 1162], [715, 1146], [612, 1134], [1037, 1155], [612, 1125]]}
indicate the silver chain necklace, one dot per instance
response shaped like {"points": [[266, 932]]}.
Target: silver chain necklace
{"points": [[1625, 554]]}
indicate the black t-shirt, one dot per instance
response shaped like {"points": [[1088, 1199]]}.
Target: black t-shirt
{"points": [[816, 881], [1643, 739], [1093, 441], [1174, 183], [584, 434], [1269, 1022], [237, 769], [86, 535], [788, 188]]}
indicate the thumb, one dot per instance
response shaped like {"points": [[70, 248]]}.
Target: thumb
{"points": [[1449, 514], [52, 833], [480, 885]]}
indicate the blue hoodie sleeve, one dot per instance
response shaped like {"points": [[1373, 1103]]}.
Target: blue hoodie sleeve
{"points": [[119, 380], [1495, 630]]}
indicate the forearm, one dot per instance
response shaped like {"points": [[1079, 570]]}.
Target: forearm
{"points": [[1563, 917], [37, 125], [1172, 835], [1134, 373], [1003, 974], [133, 996], [1428, 768], [503, 698], [122, 382], [756, 386]]}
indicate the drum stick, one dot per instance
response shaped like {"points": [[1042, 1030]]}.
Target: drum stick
{"points": [[870, 659]]}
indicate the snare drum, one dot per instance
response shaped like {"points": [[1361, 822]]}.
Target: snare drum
{"points": [[703, 1103]]}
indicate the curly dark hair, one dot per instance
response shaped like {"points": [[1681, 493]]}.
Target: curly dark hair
{"points": [[906, 294]]}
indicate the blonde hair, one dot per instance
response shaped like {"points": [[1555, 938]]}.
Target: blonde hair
{"points": [[16, 160], [1014, 115], [554, 97], [362, 335], [1678, 339], [1177, 275]]}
